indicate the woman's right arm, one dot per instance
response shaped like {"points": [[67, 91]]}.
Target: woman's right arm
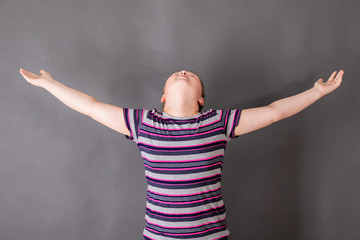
{"points": [[106, 114]]}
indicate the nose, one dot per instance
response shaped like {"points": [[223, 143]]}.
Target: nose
{"points": [[183, 73]]}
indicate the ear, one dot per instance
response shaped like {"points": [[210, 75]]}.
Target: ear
{"points": [[201, 101], [162, 98]]}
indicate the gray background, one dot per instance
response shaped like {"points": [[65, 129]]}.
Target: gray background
{"points": [[65, 176]]}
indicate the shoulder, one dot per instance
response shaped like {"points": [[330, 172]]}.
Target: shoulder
{"points": [[221, 112], [152, 113], [210, 112]]}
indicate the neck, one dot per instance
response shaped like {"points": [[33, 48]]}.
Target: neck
{"points": [[181, 109]]}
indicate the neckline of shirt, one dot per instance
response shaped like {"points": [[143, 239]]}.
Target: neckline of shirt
{"points": [[182, 118], [164, 114]]}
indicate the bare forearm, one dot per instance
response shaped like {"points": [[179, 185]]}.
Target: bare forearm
{"points": [[73, 98], [289, 106]]}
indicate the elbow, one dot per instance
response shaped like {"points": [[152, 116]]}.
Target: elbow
{"points": [[91, 110], [275, 114]]}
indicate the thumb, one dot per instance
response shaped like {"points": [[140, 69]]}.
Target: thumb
{"points": [[320, 80], [45, 73]]}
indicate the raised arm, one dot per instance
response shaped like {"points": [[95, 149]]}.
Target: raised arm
{"points": [[106, 114], [256, 118]]}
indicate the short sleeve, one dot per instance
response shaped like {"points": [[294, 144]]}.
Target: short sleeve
{"points": [[232, 118], [133, 118]]}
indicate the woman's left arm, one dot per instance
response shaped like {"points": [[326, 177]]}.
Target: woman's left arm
{"points": [[289, 106], [255, 118]]}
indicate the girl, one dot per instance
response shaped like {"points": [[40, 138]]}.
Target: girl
{"points": [[183, 148]]}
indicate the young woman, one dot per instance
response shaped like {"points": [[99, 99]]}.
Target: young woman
{"points": [[183, 148]]}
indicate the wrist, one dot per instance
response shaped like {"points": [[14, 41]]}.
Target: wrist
{"points": [[318, 91], [46, 83]]}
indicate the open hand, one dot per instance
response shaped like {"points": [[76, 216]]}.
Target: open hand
{"points": [[37, 80], [331, 84]]}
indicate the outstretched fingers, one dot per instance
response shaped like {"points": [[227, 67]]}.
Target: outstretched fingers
{"points": [[339, 76], [332, 77], [336, 78], [29, 74]]}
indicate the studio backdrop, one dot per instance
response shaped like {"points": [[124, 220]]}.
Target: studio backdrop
{"points": [[65, 176]]}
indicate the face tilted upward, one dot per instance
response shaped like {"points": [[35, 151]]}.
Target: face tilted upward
{"points": [[183, 84]]}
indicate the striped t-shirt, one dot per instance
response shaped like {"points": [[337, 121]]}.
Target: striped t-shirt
{"points": [[183, 159]]}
